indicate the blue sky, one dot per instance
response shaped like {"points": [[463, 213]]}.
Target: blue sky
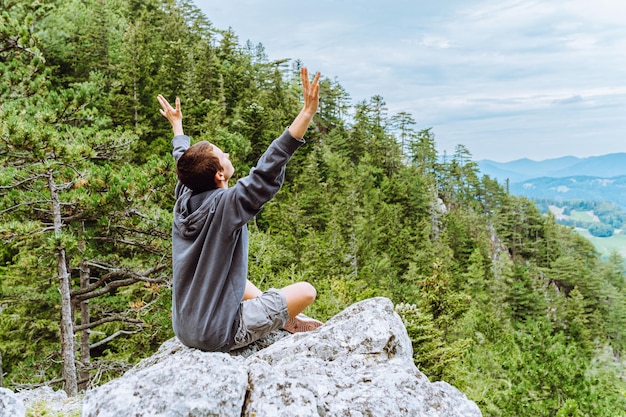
{"points": [[508, 79]]}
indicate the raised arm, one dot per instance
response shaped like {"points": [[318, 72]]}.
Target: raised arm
{"points": [[267, 176], [311, 101], [174, 115], [180, 143]]}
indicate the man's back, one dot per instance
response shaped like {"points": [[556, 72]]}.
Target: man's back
{"points": [[210, 247], [210, 241]]}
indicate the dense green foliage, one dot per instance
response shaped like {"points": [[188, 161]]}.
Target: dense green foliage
{"points": [[515, 310]]}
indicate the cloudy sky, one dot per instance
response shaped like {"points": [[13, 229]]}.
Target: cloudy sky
{"points": [[508, 79]]}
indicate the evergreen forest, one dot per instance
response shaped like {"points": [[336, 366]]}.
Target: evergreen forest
{"points": [[518, 312]]}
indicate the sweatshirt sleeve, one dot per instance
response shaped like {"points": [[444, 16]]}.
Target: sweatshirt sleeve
{"points": [[180, 144], [266, 178]]}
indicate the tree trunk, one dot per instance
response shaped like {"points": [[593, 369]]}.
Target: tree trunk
{"points": [[85, 354], [68, 352]]}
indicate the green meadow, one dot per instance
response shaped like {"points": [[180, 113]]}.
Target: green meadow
{"points": [[606, 245]]}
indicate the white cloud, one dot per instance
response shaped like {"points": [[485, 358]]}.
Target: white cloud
{"points": [[430, 41], [601, 12], [508, 78]]}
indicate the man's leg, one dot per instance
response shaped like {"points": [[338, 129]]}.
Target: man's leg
{"points": [[251, 291], [260, 316], [299, 296]]}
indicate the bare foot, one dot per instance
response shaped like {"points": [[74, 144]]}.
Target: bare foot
{"points": [[301, 323]]}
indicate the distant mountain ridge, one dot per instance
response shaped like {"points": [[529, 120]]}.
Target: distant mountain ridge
{"points": [[604, 166], [573, 188], [596, 178]]}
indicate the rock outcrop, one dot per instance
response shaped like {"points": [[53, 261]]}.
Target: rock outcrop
{"points": [[46, 401], [10, 405], [358, 364]]}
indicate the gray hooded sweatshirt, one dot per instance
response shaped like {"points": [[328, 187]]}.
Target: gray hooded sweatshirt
{"points": [[210, 247]]}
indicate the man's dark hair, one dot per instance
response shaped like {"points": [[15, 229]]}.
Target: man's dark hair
{"points": [[196, 168]]}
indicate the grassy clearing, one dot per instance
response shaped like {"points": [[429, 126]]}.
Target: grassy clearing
{"points": [[606, 245], [584, 216]]}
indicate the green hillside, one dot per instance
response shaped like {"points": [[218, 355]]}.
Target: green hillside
{"points": [[516, 310], [600, 222]]}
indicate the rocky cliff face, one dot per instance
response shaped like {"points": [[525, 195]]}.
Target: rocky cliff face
{"points": [[10, 405], [358, 364]]}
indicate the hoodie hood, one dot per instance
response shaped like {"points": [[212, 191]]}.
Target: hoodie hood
{"points": [[193, 211]]}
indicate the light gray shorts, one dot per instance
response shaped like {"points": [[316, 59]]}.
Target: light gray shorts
{"points": [[260, 316]]}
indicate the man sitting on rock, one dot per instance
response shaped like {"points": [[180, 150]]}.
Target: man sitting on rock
{"points": [[215, 307]]}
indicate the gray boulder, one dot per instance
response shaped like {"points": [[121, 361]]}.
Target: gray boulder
{"points": [[175, 381], [49, 400], [10, 405], [358, 364]]}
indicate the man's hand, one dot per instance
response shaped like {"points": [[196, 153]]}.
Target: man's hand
{"points": [[311, 93], [174, 115]]}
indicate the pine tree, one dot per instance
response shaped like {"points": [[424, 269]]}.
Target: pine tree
{"points": [[56, 145]]}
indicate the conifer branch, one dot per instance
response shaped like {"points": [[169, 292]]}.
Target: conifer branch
{"points": [[113, 336], [110, 319], [116, 278]]}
